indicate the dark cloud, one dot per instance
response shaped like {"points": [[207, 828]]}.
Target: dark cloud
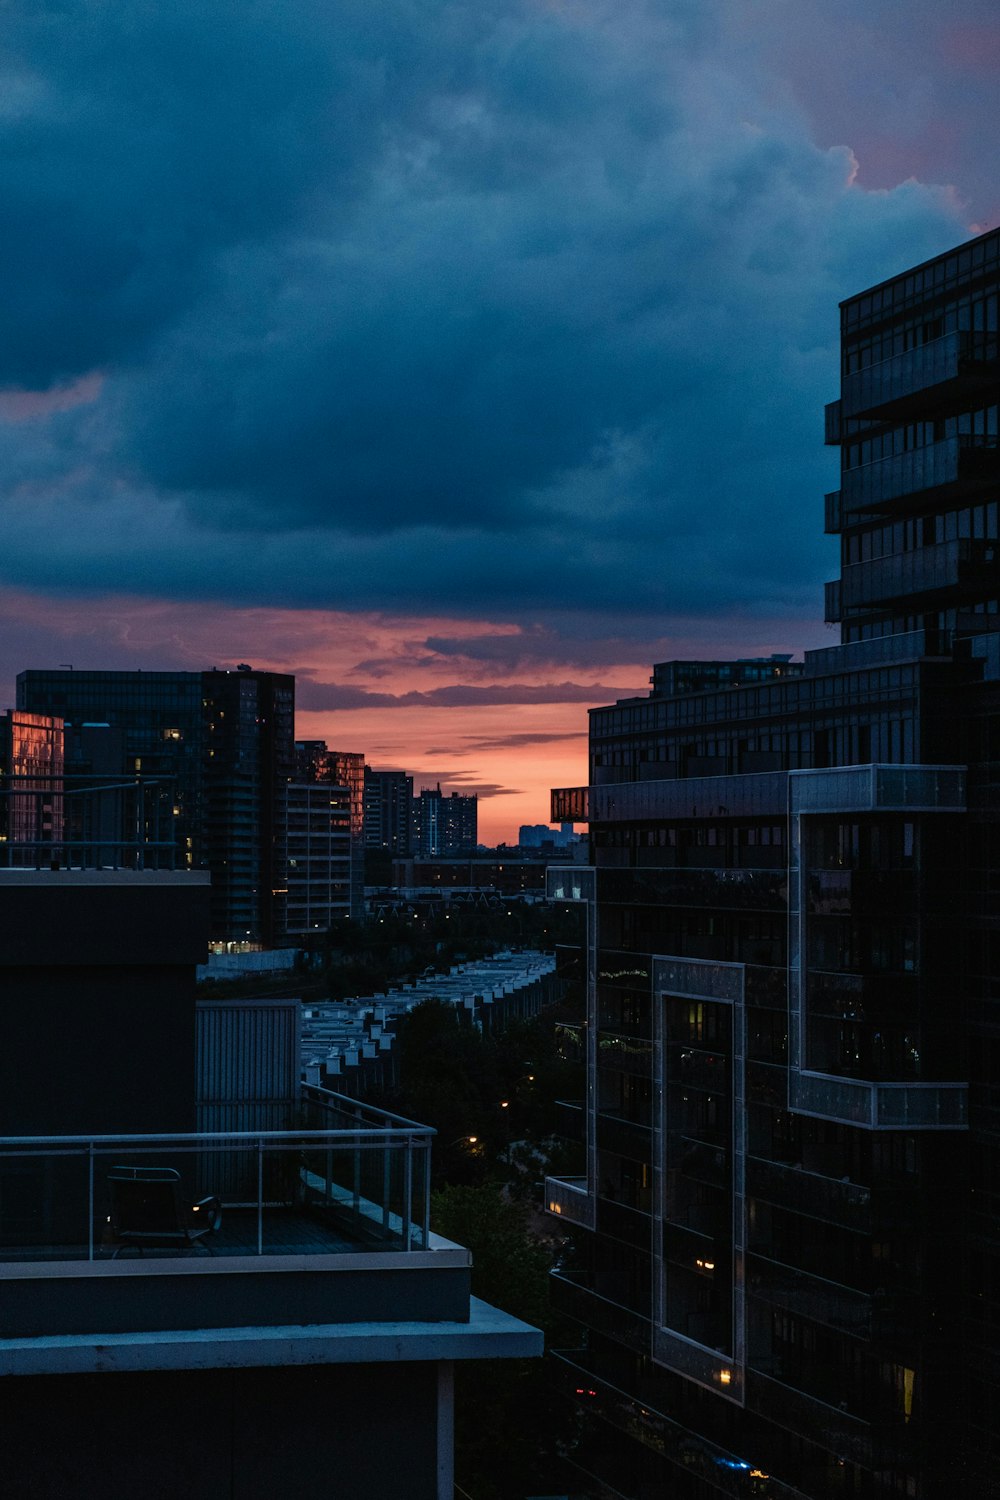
{"points": [[475, 309], [321, 697], [465, 783], [476, 744]]}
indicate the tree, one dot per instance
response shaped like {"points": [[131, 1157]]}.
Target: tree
{"points": [[509, 1423]]}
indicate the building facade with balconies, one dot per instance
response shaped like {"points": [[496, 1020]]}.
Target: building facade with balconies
{"points": [[788, 1281]]}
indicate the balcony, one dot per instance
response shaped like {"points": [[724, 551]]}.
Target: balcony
{"points": [[879, 1106], [921, 381], [953, 469], [317, 1225], [567, 1198], [570, 804], [809, 1296], [634, 1414], [831, 1200], [749, 794], [708, 889], [917, 576], [571, 1293]]}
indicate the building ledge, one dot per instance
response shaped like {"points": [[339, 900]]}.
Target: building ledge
{"points": [[489, 1334]]}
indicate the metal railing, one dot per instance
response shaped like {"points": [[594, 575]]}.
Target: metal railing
{"points": [[58, 819], [356, 1187]]}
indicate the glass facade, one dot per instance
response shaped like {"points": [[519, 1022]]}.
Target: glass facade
{"points": [[788, 1246], [218, 748]]}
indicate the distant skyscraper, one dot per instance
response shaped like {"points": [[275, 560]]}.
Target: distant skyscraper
{"points": [[444, 824], [389, 811], [223, 743], [325, 869]]}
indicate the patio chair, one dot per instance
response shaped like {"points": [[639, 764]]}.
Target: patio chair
{"points": [[150, 1209]]}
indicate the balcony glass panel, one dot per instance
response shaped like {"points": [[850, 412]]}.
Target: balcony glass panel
{"points": [[740, 889], [926, 570], [954, 463], [917, 372], [566, 1198], [278, 1192]]}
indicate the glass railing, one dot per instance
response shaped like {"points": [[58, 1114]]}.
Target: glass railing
{"points": [[745, 889], [880, 1106], [878, 787], [909, 645], [570, 804], [827, 1198], [947, 463], [566, 1197], [291, 1192], [724, 1472], [916, 371], [571, 1292], [926, 570]]}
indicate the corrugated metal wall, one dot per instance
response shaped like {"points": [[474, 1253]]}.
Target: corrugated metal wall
{"points": [[248, 1064]]}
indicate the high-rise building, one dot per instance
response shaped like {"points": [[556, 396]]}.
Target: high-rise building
{"points": [[444, 824], [325, 832], [219, 746], [389, 812], [789, 1285], [31, 788]]}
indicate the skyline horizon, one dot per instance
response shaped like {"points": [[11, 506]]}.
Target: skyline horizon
{"points": [[552, 752]]}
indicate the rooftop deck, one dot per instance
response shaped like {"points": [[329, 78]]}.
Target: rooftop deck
{"points": [[361, 1184]]}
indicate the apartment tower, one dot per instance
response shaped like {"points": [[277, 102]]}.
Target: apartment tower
{"points": [[787, 1281]]}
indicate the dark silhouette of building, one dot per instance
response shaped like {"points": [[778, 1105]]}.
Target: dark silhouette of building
{"points": [[389, 811], [219, 745], [444, 825], [789, 1286]]}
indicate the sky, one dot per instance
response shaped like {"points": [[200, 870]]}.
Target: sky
{"points": [[464, 357]]}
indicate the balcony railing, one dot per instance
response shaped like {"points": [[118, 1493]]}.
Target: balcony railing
{"points": [[954, 467], [282, 1192], [921, 379], [826, 1198], [919, 574], [566, 1197], [570, 804], [57, 820]]}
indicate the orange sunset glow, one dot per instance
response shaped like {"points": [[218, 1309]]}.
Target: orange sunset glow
{"points": [[499, 709]]}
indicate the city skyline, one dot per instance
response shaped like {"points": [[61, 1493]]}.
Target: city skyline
{"points": [[369, 353]]}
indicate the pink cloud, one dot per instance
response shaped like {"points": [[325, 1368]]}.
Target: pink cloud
{"points": [[514, 730], [27, 406]]}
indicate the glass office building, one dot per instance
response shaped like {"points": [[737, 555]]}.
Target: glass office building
{"points": [[217, 748], [786, 1283]]}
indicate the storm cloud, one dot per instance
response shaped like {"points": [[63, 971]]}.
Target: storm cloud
{"points": [[480, 309]]}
